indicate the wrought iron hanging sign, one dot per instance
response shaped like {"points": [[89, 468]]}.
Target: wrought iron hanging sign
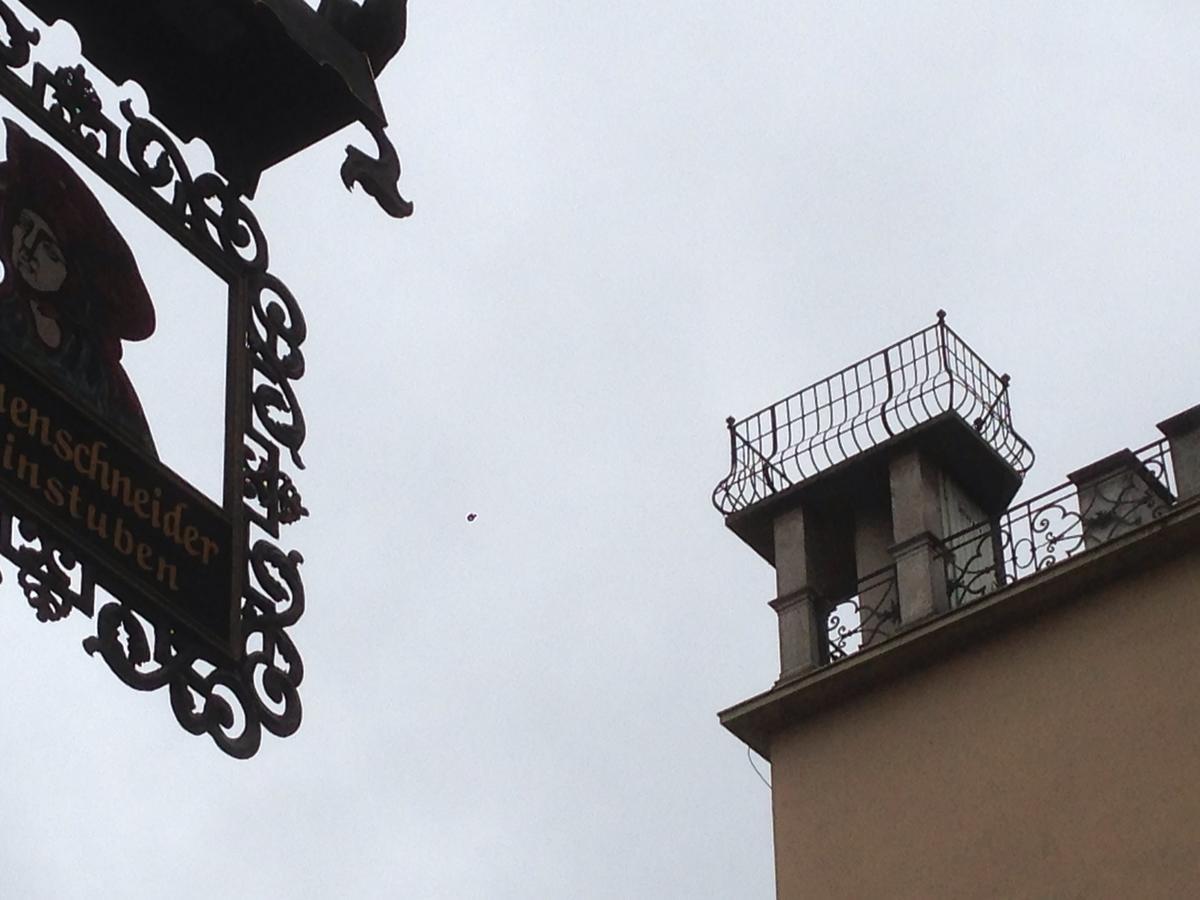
{"points": [[197, 594]]}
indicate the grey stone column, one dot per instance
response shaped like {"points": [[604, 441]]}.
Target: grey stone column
{"points": [[1116, 495], [797, 605], [800, 636], [920, 578], [1182, 432], [917, 526]]}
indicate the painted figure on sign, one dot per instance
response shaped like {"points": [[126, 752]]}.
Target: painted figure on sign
{"points": [[71, 291]]}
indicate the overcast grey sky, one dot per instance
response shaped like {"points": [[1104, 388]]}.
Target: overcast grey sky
{"points": [[631, 221]]}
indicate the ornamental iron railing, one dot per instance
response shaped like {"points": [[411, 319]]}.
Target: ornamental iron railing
{"points": [[1028, 538], [1058, 524], [870, 614], [904, 385]]}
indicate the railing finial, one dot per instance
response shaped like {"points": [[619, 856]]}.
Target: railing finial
{"points": [[941, 316]]}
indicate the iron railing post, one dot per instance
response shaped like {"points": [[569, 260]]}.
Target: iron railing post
{"points": [[980, 421], [891, 391], [943, 346]]}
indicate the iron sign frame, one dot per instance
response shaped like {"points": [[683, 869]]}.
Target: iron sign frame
{"points": [[235, 693]]}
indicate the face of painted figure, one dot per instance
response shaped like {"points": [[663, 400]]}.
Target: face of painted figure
{"points": [[36, 254]]}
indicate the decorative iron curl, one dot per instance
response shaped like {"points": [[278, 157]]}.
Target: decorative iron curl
{"points": [[274, 671], [1055, 533], [14, 53], [273, 492], [275, 334], [230, 223], [199, 707], [196, 699], [43, 577], [73, 101], [380, 176], [869, 614], [232, 704], [972, 570], [291, 506], [261, 480], [131, 659], [44, 570]]}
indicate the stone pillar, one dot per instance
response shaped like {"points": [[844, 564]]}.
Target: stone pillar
{"points": [[917, 528], [920, 578], [1182, 432], [797, 605], [1116, 495]]}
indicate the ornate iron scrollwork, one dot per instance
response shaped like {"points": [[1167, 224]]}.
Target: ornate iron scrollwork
{"points": [[45, 570], [73, 99], [1055, 526], [232, 700], [870, 614], [379, 177], [14, 53], [275, 334]]}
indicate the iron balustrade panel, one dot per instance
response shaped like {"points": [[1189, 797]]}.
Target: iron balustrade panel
{"points": [[1156, 457], [1053, 526], [869, 615], [902, 386], [1028, 538]]}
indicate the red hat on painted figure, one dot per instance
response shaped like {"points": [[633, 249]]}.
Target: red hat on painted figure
{"points": [[34, 177]]}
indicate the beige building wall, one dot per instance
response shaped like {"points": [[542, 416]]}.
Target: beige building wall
{"points": [[1058, 759]]}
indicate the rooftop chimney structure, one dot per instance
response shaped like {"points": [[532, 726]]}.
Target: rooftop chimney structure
{"points": [[849, 487], [975, 698]]}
